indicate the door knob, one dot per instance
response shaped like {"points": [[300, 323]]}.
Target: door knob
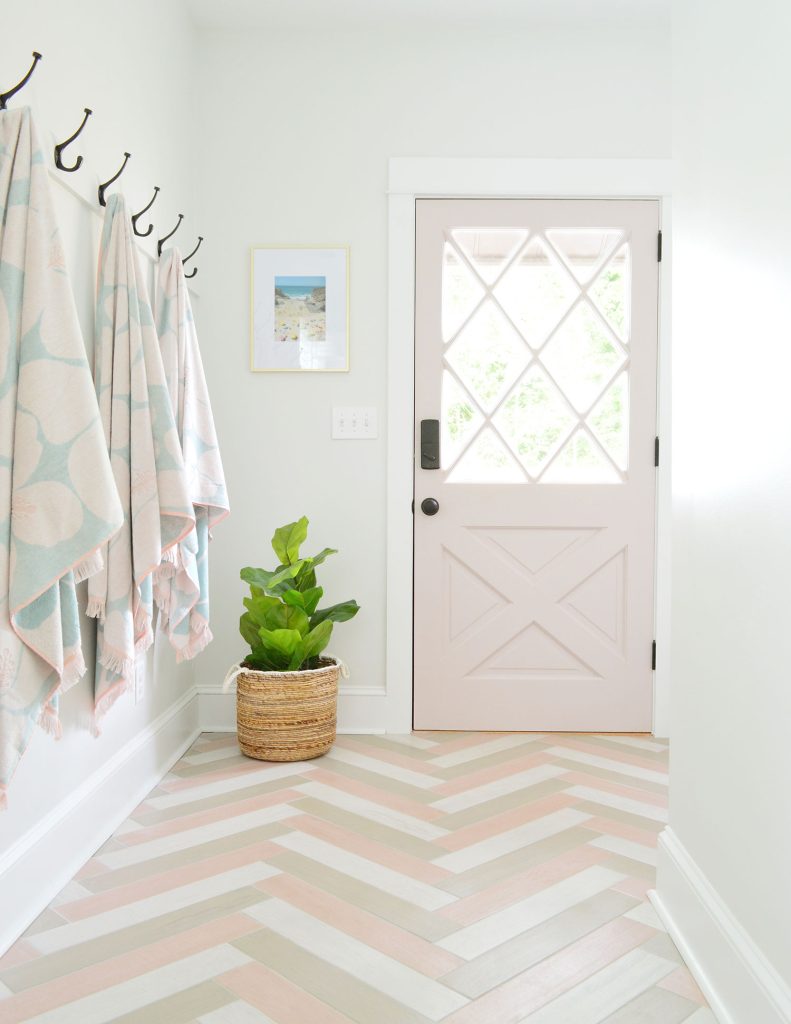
{"points": [[430, 506]]}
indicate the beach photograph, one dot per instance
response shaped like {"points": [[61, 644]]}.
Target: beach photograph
{"points": [[300, 309]]}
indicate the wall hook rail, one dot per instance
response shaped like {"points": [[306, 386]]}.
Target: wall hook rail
{"points": [[162, 241], [190, 255], [103, 187], [136, 217], [5, 96], [62, 145]]}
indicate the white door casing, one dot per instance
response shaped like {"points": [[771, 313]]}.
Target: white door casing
{"points": [[534, 583]]}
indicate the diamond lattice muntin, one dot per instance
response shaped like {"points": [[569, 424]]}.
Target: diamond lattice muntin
{"points": [[536, 329]]}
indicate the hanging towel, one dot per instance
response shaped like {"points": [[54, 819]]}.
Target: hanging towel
{"points": [[182, 587], [58, 503], [146, 458]]}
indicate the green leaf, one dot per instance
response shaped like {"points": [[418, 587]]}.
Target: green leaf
{"points": [[281, 646], [287, 539], [294, 598], [323, 555], [259, 660], [306, 580], [259, 607], [311, 597], [306, 600], [284, 616], [249, 629], [317, 639], [335, 613], [266, 580]]}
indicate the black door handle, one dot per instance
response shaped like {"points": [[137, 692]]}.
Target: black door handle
{"points": [[429, 506]]}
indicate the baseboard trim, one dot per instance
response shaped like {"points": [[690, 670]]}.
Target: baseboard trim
{"points": [[42, 861], [35, 868], [361, 709], [734, 975]]}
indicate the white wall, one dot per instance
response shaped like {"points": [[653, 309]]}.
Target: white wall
{"points": [[731, 756], [300, 123], [133, 66]]}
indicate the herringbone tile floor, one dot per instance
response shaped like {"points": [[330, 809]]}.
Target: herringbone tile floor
{"points": [[463, 878]]}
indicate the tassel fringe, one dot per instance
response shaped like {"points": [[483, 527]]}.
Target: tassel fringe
{"points": [[200, 638], [104, 704], [118, 664], [93, 564], [95, 608], [73, 670], [48, 721]]}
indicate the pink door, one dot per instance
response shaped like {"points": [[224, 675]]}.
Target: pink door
{"points": [[536, 336]]}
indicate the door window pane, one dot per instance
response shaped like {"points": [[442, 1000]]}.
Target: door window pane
{"points": [[534, 420], [488, 356], [535, 292], [581, 461], [585, 250], [487, 460], [609, 421], [461, 292], [536, 380], [489, 249], [460, 419], [582, 356], [610, 292]]}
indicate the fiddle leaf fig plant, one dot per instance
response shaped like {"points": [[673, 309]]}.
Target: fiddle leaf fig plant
{"points": [[283, 624]]}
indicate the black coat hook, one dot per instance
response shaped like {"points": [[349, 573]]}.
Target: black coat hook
{"points": [[62, 145], [162, 241], [5, 96], [136, 217], [190, 255], [103, 188]]}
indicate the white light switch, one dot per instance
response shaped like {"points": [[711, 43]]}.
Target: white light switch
{"points": [[354, 422]]}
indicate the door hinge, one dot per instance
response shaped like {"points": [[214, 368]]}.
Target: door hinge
{"points": [[656, 451], [653, 656], [659, 247]]}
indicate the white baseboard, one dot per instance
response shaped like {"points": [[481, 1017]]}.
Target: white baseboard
{"points": [[742, 987], [41, 862], [360, 709]]}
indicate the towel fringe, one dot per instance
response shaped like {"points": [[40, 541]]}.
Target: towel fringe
{"points": [[73, 670], [199, 639], [117, 664], [95, 608], [93, 564], [106, 702], [50, 723]]}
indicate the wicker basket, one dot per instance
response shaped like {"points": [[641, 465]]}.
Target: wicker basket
{"points": [[287, 716]]}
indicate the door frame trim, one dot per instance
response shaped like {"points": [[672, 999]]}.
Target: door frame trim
{"points": [[412, 178]]}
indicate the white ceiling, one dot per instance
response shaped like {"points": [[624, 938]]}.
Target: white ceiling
{"points": [[346, 14]]}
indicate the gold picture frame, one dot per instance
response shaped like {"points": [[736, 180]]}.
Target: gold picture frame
{"points": [[299, 308]]}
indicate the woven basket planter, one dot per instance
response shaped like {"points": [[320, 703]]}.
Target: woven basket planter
{"points": [[287, 716]]}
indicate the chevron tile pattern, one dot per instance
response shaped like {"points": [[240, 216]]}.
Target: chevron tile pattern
{"points": [[468, 878]]}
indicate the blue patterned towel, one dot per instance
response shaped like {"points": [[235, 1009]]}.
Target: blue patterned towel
{"points": [[58, 502], [140, 429], [182, 586]]}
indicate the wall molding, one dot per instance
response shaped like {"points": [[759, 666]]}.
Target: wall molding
{"points": [[41, 862], [361, 709], [738, 981]]}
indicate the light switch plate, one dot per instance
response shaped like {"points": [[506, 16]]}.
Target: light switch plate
{"points": [[354, 422]]}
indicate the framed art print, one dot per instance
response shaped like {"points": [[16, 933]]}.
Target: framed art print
{"points": [[300, 308]]}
